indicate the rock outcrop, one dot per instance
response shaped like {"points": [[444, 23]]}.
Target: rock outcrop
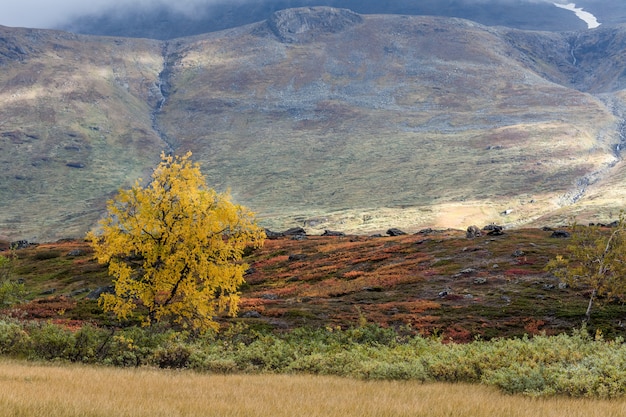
{"points": [[301, 25]]}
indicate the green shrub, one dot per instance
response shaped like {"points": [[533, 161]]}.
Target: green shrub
{"points": [[520, 378], [576, 365], [42, 256], [87, 344], [174, 353], [48, 341], [14, 341], [11, 292], [134, 346]]}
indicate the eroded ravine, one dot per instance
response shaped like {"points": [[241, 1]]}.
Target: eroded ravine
{"points": [[163, 84]]}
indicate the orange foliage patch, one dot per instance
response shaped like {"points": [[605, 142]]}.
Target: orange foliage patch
{"points": [[457, 334], [532, 326], [266, 263], [45, 308], [353, 274]]}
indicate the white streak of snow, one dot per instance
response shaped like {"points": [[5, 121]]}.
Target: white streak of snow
{"points": [[590, 19]]}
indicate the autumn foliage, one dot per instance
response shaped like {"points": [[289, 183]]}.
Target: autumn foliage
{"points": [[595, 259], [174, 248]]}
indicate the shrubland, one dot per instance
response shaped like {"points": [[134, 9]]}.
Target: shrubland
{"points": [[575, 365], [369, 308]]}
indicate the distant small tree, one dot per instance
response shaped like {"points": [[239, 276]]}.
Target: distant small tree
{"points": [[175, 248], [595, 259], [11, 291], [5, 267]]}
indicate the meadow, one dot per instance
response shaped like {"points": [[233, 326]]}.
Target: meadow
{"points": [[429, 308], [35, 390]]}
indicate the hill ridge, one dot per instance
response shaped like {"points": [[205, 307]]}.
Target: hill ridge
{"points": [[394, 121]]}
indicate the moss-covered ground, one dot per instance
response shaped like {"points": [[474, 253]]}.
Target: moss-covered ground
{"points": [[435, 283]]}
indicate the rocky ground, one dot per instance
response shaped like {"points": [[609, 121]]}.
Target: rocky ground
{"points": [[437, 282]]}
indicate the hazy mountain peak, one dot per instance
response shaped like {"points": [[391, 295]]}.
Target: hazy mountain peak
{"points": [[305, 23], [160, 21]]}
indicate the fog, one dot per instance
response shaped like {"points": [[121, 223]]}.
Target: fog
{"points": [[53, 13]]}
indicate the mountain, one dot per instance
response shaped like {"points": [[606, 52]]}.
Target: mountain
{"points": [[320, 117], [163, 22]]}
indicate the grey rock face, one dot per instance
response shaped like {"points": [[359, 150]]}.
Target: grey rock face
{"points": [[303, 24]]}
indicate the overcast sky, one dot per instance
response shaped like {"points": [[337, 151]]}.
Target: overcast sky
{"points": [[52, 13]]}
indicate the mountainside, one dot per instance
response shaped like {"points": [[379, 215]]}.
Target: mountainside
{"points": [[320, 117], [164, 22]]}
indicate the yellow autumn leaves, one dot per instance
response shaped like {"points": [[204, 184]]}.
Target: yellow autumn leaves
{"points": [[175, 248], [595, 260]]}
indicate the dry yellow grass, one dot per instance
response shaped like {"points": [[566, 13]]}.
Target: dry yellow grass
{"points": [[38, 390]]}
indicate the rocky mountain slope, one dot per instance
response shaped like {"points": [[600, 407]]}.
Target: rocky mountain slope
{"points": [[164, 22], [320, 117]]}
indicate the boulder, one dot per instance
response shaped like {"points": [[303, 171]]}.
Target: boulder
{"points": [[472, 232], [560, 234], [95, 294], [79, 292], [273, 235], [20, 244], [332, 233], [492, 226], [294, 231], [77, 165], [395, 232], [494, 230]]}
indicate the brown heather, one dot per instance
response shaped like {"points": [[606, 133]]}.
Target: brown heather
{"points": [[439, 283]]}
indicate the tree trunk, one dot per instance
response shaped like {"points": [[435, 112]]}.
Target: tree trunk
{"points": [[588, 313]]}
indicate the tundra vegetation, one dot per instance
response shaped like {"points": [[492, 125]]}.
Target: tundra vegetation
{"points": [[11, 291], [595, 260], [294, 303]]}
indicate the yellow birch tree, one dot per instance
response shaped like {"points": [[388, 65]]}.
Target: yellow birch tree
{"points": [[175, 248], [596, 259]]}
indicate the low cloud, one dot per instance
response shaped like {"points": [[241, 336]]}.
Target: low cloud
{"points": [[54, 13]]}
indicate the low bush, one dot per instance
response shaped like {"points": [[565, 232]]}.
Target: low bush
{"points": [[577, 365]]}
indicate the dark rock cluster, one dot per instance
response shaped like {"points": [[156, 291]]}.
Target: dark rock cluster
{"points": [[303, 24]]}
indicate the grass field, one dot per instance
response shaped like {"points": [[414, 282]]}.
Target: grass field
{"points": [[58, 391]]}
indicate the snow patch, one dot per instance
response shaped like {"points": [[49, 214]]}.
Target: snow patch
{"points": [[590, 19]]}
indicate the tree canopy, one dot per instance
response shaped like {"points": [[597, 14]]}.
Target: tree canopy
{"points": [[596, 259], [175, 248]]}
